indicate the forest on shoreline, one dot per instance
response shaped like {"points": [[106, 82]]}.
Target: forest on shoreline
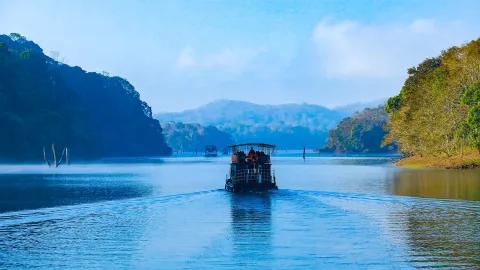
{"points": [[363, 132], [184, 137], [435, 119], [45, 102]]}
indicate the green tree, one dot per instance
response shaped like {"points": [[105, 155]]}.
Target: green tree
{"points": [[393, 104], [471, 96], [473, 122], [471, 128]]}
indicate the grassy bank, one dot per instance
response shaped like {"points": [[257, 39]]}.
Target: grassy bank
{"points": [[468, 160]]}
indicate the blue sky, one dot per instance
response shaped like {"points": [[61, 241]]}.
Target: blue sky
{"points": [[182, 54]]}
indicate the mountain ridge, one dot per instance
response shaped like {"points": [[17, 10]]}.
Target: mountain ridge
{"points": [[290, 125]]}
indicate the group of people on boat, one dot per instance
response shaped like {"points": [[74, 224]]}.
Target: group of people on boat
{"points": [[252, 159], [251, 170]]}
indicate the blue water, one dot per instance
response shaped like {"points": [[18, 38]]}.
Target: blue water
{"points": [[171, 213]]}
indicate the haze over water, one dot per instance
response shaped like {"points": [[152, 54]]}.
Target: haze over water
{"points": [[330, 212]]}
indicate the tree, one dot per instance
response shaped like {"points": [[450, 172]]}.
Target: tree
{"points": [[473, 122], [471, 97], [393, 104]]}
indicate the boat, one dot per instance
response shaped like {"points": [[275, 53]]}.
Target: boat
{"points": [[251, 168], [210, 151]]}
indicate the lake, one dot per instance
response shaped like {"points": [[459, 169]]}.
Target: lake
{"points": [[172, 213]]}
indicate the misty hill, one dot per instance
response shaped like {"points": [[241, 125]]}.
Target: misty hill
{"points": [[350, 109], [287, 126], [362, 132], [194, 137], [43, 101]]}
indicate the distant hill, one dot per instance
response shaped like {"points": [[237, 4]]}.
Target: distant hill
{"points": [[287, 126], [350, 109], [43, 101], [362, 132], [194, 137]]}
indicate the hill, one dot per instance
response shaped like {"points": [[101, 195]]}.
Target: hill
{"points": [[350, 109], [287, 126], [43, 101], [362, 132], [194, 137], [436, 116]]}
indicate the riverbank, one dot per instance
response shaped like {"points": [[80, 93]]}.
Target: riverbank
{"points": [[468, 160]]}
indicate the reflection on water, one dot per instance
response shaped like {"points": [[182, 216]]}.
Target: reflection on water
{"points": [[252, 227], [336, 213], [444, 236], [442, 184], [31, 191], [441, 233]]}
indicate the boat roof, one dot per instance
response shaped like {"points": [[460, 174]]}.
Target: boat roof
{"points": [[265, 145]]}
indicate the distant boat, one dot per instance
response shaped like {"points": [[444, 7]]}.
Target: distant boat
{"points": [[211, 151]]}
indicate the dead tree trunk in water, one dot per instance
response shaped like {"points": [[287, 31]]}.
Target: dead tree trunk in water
{"points": [[61, 158], [54, 155], [66, 156], [45, 157]]}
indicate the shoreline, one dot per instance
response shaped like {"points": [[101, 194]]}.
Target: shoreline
{"points": [[467, 161]]}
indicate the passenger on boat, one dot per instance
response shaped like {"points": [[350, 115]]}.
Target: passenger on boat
{"points": [[250, 164], [251, 154], [234, 158], [261, 158], [241, 157]]}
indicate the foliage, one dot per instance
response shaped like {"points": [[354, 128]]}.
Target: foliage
{"points": [[471, 130], [362, 132], [471, 96], [194, 137], [393, 104], [43, 102], [436, 113]]}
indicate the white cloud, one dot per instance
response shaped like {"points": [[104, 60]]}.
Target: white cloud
{"points": [[186, 58], [424, 26], [228, 59], [350, 49]]}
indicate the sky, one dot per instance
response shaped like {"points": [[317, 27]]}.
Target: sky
{"points": [[182, 54]]}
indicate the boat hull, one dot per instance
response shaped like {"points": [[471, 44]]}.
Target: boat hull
{"points": [[248, 187]]}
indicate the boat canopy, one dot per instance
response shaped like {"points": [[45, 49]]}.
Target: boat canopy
{"points": [[210, 147], [266, 148]]}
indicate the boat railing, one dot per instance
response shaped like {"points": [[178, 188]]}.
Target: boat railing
{"points": [[259, 175]]}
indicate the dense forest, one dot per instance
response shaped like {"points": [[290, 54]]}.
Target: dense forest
{"points": [[194, 137], [43, 101], [363, 132], [437, 112]]}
